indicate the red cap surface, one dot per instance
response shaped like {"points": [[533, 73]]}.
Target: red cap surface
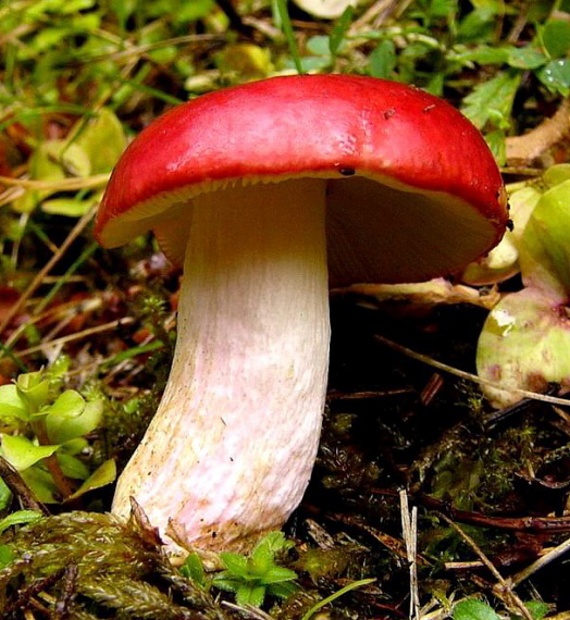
{"points": [[414, 191]]}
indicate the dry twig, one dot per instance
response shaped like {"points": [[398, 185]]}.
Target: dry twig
{"points": [[503, 588], [410, 535], [37, 281], [533, 146]]}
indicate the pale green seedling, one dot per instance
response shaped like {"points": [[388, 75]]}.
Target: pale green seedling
{"points": [[44, 429]]}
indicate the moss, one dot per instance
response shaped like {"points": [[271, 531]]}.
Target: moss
{"points": [[95, 565]]}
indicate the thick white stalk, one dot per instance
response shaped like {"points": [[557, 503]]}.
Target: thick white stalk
{"points": [[230, 450]]}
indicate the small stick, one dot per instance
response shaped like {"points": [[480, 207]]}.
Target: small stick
{"points": [[86, 333], [236, 22], [420, 357], [505, 589], [19, 488], [69, 591], [69, 184], [410, 534], [552, 555], [78, 229]]}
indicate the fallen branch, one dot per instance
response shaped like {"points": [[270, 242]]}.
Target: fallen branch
{"points": [[536, 146], [528, 524]]}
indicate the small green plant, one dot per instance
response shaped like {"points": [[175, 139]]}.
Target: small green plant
{"points": [[474, 609], [43, 430], [19, 517], [335, 595], [251, 578]]}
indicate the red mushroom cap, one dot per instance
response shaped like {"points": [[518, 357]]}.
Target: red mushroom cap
{"points": [[424, 197]]}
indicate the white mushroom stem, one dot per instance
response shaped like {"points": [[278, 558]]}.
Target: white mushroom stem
{"points": [[230, 451]]}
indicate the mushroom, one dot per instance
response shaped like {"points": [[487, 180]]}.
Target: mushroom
{"points": [[267, 193]]}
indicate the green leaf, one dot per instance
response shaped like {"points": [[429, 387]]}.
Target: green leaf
{"points": [[235, 563], [278, 574], [69, 404], [275, 542], [284, 21], [282, 590], [555, 36], [245, 59], [526, 58], [493, 100], [382, 60], [556, 76], [71, 417], [74, 446], [477, 26], [57, 158], [330, 599], [12, 404], [555, 175], [69, 207], [250, 595], [72, 467], [6, 556], [544, 249], [251, 578], [105, 474], [537, 609], [497, 143], [319, 45], [5, 495], [482, 54], [41, 484], [194, 569], [20, 517], [340, 29], [197, 9], [35, 389], [443, 8], [49, 37], [22, 453], [103, 140], [53, 160], [58, 369], [227, 583], [473, 609]]}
